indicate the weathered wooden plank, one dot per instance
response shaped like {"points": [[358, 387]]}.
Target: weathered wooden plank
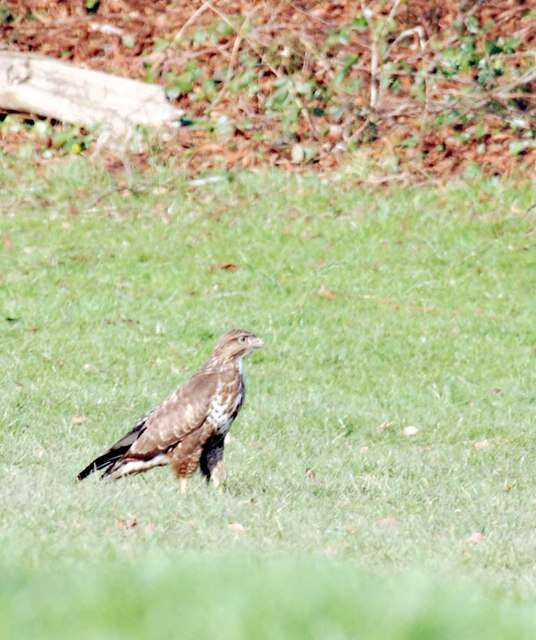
{"points": [[45, 86]]}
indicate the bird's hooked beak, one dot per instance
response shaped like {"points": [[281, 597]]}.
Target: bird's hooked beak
{"points": [[256, 343]]}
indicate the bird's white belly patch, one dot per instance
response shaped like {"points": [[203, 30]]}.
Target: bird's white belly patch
{"points": [[135, 466], [221, 413]]}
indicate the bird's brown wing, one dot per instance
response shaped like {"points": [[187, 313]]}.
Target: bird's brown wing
{"points": [[162, 428], [183, 413]]}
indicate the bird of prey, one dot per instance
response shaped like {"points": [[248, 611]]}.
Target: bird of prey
{"points": [[188, 429]]}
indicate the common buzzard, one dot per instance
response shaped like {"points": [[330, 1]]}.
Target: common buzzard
{"points": [[188, 429]]}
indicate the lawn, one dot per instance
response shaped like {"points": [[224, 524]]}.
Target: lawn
{"points": [[382, 476]]}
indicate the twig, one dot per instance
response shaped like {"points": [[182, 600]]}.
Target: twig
{"points": [[356, 134], [392, 13], [524, 79], [374, 57], [249, 40], [232, 61], [406, 33], [107, 29], [191, 19], [190, 55], [373, 73]]}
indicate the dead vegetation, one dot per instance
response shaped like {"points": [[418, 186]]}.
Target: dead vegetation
{"points": [[426, 88]]}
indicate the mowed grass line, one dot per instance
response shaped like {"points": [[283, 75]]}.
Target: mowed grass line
{"points": [[380, 309]]}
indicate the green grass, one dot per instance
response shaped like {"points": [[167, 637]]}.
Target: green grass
{"points": [[243, 598], [380, 309]]}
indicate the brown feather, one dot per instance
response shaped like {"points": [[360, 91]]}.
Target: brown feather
{"points": [[177, 417]]}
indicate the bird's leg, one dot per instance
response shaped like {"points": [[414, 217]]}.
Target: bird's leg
{"points": [[211, 462], [183, 482], [218, 475]]}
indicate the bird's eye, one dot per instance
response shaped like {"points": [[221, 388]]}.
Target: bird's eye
{"points": [[242, 339]]}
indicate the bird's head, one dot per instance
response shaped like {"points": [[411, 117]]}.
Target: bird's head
{"points": [[237, 343]]}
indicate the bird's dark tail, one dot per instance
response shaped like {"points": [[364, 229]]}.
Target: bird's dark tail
{"points": [[106, 461], [118, 450]]}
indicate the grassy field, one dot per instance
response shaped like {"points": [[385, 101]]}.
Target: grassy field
{"points": [[381, 310]]}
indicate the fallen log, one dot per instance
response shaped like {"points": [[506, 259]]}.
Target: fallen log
{"points": [[40, 85]]}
